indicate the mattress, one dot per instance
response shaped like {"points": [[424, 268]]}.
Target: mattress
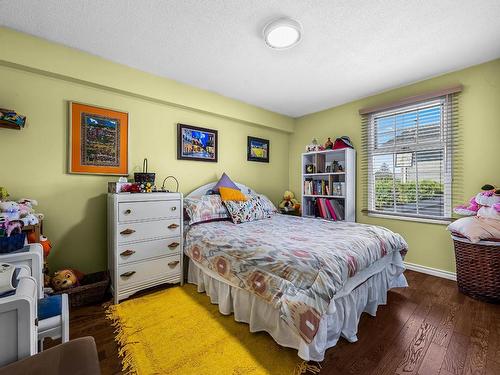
{"points": [[297, 265]]}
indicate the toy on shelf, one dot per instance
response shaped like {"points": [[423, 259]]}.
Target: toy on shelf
{"points": [[328, 144], [11, 119], [289, 203], [342, 142], [314, 146], [21, 210]]}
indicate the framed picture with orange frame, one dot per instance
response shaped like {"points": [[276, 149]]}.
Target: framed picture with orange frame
{"points": [[98, 140]]}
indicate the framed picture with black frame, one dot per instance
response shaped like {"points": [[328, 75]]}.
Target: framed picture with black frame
{"points": [[258, 149], [195, 143]]}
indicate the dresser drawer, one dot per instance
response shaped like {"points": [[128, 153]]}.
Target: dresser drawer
{"points": [[148, 230], [144, 250], [137, 273], [137, 211]]}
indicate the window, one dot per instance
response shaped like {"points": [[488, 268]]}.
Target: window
{"points": [[408, 157]]}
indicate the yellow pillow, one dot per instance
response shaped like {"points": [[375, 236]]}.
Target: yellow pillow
{"points": [[228, 194]]}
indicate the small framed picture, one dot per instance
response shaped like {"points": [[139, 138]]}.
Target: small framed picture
{"points": [[258, 149], [98, 140], [195, 143]]}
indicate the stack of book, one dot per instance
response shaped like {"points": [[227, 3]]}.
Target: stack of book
{"points": [[330, 209], [316, 187]]}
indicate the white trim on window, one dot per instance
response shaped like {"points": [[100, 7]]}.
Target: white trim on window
{"points": [[420, 147]]}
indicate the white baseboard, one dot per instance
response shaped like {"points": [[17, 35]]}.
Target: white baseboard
{"points": [[431, 271]]}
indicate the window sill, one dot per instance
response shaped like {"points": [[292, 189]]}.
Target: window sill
{"points": [[414, 219]]}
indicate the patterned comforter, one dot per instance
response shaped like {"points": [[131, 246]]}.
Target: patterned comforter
{"points": [[296, 264]]}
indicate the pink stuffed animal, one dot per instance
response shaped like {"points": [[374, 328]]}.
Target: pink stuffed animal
{"points": [[484, 204], [467, 210]]}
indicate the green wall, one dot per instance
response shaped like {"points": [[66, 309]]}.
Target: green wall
{"points": [[430, 244], [39, 78]]}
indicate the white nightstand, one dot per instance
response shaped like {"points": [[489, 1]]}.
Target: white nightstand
{"points": [[144, 241]]}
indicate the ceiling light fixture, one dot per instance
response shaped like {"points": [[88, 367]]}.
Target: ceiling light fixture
{"points": [[282, 33]]}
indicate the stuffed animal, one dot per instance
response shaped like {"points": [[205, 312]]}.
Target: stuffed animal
{"points": [[484, 204], [10, 210], [14, 227], [26, 206], [289, 203], [65, 279], [46, 245], [29, 219]]}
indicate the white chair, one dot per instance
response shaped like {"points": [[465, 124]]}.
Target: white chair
{"points": [[54, 326], [32, 257], [18, 331]]}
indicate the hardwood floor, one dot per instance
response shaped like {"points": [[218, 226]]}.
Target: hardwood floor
{"points": [[428, 328]]}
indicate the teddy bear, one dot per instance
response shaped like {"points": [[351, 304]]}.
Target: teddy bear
{"points": [[289, 203], [10, 210], [66, 278], [26, 206]]}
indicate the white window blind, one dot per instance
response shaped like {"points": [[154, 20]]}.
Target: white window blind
{"points": [[409, 158]]}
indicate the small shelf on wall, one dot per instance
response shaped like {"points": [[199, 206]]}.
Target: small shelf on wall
{"points": [[9, 125]]}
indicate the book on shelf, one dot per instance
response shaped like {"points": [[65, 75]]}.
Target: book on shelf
{"points": [[329, 209]]}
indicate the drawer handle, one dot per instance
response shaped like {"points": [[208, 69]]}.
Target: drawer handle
{"points": [[127, 253], [128, 212], [173, 245], [173, 208], [128, 274], [173, 264], [173, 226], [127, 231]]}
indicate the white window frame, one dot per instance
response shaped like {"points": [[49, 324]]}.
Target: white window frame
{"points": [[443, 143]]}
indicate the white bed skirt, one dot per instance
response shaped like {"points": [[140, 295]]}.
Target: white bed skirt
{"points": [[341, 319]]}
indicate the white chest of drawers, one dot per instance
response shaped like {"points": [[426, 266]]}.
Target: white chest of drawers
{"points": [[144, 241]]}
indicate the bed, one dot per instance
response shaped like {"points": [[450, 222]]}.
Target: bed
{"points": [[304, 281]]}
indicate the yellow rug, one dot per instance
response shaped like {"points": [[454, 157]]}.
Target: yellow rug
{"points": [[178, 331]]}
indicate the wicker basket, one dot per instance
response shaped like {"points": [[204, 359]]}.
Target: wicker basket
{"points": [[92, 290], [13, 243], [478, 269]]}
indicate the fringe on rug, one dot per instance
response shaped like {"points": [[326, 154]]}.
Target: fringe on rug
{"points": [[305, 367], [122, 339]]}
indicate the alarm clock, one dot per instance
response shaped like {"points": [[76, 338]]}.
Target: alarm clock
{"points": [[310, 168]]}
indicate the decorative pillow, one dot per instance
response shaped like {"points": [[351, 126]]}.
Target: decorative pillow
{"points": [[205, 208], [225, 181], [267, 205], [228, 194], [476, 228], [249, 210]]}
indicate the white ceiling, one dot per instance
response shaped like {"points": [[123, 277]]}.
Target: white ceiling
{"points": [[351, 49]]}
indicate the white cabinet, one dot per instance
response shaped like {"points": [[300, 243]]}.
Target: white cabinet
{"points": [[144, 241]]}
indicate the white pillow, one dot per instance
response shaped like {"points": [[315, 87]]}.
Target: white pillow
{"points": [[476, 228]]}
